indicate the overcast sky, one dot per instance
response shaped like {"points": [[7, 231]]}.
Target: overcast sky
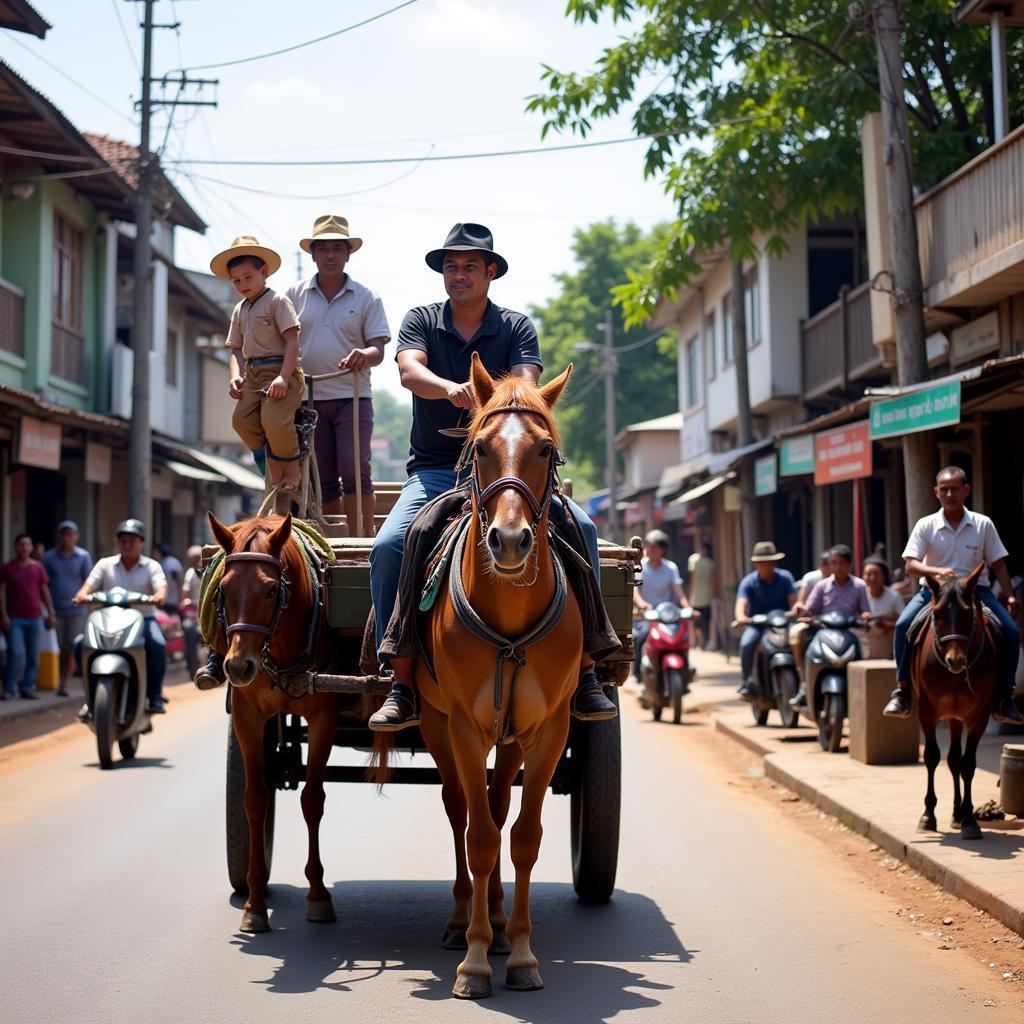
{"points": [[438, 77]]}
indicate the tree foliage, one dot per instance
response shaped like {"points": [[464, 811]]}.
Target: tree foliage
{"points": [[753, 111], [645, 385]]}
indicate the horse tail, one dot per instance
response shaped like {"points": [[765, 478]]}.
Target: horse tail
{"points": [[379, 770]]}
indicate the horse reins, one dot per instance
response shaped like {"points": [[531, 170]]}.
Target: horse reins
{"points": [[938, 641]]}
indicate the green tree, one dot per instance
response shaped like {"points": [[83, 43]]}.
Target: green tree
{"points": [[645, 385], [753, 108]]}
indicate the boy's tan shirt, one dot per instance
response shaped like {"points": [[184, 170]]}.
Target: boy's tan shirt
{"points": [[257, 327]]}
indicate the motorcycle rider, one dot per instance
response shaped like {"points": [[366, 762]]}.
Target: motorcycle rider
{"points": [[951, 542], [132, 570], [659, 581], [760, 592]]}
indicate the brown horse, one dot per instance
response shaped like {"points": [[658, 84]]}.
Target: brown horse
{"points": [[504, 638], [954, 669], [268, 613]]}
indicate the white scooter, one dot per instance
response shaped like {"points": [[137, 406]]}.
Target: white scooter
{"points": [[114, 672]]}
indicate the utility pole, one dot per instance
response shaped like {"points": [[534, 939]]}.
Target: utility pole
{"points": [[907, 287], [609, 368], [744, 419]]}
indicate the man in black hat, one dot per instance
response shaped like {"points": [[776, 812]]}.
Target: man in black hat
{"points": [[435, 345]]}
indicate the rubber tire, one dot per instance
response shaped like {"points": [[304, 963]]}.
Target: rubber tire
{"points": [[129, 746], [595, 804], [656, 710], [788, 685], [676, 686], [760, 714], [103, 719], [236, 823], [836, 717]]}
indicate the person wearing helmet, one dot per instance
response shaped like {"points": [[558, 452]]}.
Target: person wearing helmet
{"points": [[659, 581], [131, 569]]}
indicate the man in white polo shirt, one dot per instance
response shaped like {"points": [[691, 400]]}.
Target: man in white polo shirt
{"points": [[343, 326], [951, 542]]}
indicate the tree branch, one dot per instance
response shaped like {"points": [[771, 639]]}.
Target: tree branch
{"points": [[924, 96], [939, 54]]}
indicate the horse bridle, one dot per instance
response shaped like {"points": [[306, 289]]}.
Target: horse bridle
{"points": [[939, 641]]}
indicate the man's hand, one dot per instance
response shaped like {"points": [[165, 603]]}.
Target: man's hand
{"points": [[50, 622], [461, 395], [278, 388], [81, 597], [641, 605], [358, 359], [235, 387], [1011, 604], [943, 572]]}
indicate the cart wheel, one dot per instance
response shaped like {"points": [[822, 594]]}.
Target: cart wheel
{"points": [[237, 826], [594, 806]]}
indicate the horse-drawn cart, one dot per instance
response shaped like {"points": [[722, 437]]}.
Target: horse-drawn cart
{"points": [[588, 771]]}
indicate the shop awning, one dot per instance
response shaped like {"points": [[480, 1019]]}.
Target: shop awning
{"points": [[235, 474], [674, 477], [194, 472], [722, 462], [676, 508]]}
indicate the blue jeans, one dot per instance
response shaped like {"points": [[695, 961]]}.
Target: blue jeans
{"points": [[22, 655], [156, 658], [386, 554], [1008, 653], [748, 643]]}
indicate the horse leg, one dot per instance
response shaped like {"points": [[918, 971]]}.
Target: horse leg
{"points": [[969, 827], [434, 729], [499, 795], [321, 727], [956, 728], [249, 725], [541, 760], [932, 756], [473, 980]]}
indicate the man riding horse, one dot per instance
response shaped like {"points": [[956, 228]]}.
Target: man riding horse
{"points": [[952, 542], [435, 346]]}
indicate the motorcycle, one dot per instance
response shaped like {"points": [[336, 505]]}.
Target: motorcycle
{"points": [[114, 672], [774, 670], [172, 626], [665, 661], [831, 649]]}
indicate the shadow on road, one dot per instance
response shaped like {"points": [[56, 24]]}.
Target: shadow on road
{"points": [[396, 927], [134, 762]]}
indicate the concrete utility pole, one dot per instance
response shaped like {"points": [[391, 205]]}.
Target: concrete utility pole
{"points": [[907, 288], [744, 419], [609, 369], [140, 463]]}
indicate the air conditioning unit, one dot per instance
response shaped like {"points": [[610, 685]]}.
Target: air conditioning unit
{"points": [[121, 363]]}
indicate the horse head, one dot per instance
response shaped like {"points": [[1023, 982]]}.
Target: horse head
{"points": [[954, 614], [513, 450], [253, 590]]}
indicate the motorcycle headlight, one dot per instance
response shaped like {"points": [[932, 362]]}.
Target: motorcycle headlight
{"points": [[668, 612], [834, 657]]}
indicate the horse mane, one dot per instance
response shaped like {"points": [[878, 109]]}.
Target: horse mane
{"points": [[954, 586], [510, 390]]}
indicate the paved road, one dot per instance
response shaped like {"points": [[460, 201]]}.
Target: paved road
{"points": [[116, 906]]}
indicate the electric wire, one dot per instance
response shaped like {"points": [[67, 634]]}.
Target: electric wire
{"points": [[124, 35]]}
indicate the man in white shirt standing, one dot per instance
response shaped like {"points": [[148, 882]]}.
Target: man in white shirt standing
{"points": [[951, 542], [342, 326]]}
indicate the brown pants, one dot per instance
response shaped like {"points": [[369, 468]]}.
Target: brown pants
{"points": [[258, 419]]}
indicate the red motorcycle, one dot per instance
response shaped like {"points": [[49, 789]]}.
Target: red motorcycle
{"points": [[665, 661]]}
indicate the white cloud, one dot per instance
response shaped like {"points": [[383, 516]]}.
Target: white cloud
{"points": [[293, 89], [460, 22]]}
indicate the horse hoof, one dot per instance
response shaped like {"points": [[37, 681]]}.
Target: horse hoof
{"points": [[971, 831], [523, 979], [320, 911], [927, 824], [454, 938], [500, 945], [254, 923], [471, 986]]}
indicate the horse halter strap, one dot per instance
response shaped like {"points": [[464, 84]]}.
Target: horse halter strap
{"points": [[938, 641], [282, 593]]}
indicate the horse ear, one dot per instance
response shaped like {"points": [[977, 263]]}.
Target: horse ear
{"points": [[933, 585], [279, 537], [972, 581], [221, 534], [483, 383], [551, 391]]}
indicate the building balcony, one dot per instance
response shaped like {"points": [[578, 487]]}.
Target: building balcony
{"points": [[12, 319], [971, 229], [836, 345]]}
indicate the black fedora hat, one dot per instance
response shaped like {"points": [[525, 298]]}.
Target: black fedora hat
{"points": [[467, 238]]}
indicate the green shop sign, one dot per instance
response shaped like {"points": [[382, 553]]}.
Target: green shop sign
{"points": [[796, 456], [765, 477], [926, 409]]}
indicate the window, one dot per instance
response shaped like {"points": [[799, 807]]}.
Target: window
{"points": [[709, 344], [727, 353], [693, 389], [752, 307], [67, 352], [171, 367]]}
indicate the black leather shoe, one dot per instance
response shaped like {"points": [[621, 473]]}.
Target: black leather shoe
{"points": [[800, 700], [900, 704], [589, 704], [156, 706], [399, 711], [1007, 712], [212, 674], [748, 691]]}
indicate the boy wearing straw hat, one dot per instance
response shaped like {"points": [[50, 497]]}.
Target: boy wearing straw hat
{"points": [[266, 380]]}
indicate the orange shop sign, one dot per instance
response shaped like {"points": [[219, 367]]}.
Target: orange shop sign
{"points": [[842, 454], [39, 443]]}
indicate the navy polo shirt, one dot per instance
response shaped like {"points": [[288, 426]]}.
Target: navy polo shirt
{"points": [[506, 338], [765, 596]]}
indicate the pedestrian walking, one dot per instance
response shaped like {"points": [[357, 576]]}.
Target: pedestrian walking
{"points": [[24, 593], [343, 327], [175, 573], [701, 567], [67, 566]]}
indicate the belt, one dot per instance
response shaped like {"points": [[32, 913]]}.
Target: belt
{"points": [[264, 361]]}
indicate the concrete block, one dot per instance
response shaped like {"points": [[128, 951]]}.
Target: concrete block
{"points": [[875, 739]]}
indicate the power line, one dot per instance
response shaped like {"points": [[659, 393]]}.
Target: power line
{"points": [[643, 341], [124, 35], [299, 46]]}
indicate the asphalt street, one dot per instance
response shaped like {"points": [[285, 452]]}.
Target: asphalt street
{"points": [[116, 905]]}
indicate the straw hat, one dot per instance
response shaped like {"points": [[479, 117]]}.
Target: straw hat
{"points": [[764, 551], [244, 245], [330, 228]]}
